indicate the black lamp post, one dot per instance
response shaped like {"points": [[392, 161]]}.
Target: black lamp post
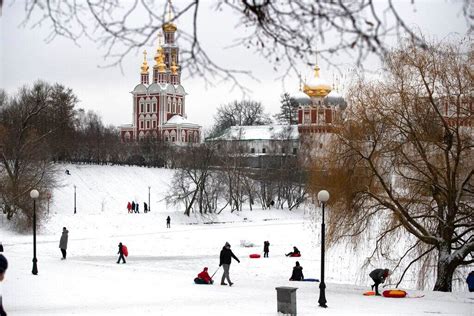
{"points": [[34, 195], [323, 197], [74, 199], [149, 205]]}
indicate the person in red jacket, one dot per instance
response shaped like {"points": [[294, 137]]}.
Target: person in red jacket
{"points": [[129, 207], [203, 278]]}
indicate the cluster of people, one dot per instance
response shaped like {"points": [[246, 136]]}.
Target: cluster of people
{"points": [[134, 207]]}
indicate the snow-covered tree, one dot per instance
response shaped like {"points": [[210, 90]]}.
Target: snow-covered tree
{"points": [[404, 160]]}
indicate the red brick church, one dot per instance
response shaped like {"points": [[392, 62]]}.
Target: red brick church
{"points": [[159, 104]]}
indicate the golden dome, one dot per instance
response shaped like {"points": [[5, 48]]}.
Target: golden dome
{"points": [[317, 87], [174, 68], [160, 57], [169, 26], [144, 66]]}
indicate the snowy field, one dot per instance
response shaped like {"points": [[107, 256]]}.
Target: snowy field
{"points": [[162, 263]]}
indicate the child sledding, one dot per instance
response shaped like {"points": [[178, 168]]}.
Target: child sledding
{"points": [[294, 253], [203, 277]]}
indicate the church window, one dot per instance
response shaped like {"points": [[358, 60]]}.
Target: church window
{"points": [[295, 150], [147, 124], [148, 107], [154, 124], [264, 150], [306, 118], [166, 139], [169, 105], [154, 107], [141, 108], [172, 139], [141, 124], [252, 150]]}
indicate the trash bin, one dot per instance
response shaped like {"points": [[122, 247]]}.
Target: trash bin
{"points": [[286, 299]]}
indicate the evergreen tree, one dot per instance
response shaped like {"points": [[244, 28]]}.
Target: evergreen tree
{"points": [[288, 110]]}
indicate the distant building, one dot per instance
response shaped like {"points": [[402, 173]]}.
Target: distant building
{"points": [[159, 106], [320, 113]]}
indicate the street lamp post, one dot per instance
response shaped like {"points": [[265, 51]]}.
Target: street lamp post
{"points": [[74, 199], [34, 195], [323, 197], [149, 205]]}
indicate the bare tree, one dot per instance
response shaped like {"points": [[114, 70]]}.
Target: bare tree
{"points": [[281, 31], [239, 113], [25, 162], [404, 158]]}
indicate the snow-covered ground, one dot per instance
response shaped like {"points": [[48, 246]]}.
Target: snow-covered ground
{"points": [[162, 263]]}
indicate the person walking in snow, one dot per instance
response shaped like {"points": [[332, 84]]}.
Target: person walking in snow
{"points": [[3, 269], [225, 260], [120, 252], [470, 281], [129, 207], [297, 274], [145, 207], [133, 207], [168, 222], [63, 242], [1, 247], [266, 248], [137, 205], [379, 276], [203, 277]]}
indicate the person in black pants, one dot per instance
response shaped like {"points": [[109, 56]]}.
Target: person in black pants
{"points": [[266, 248], [121, 254], [168, 222], [379, 276]]}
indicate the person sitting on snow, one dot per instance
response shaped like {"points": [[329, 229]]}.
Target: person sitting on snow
{"points": [[297, 274], [203, 278], [294, 252], [379, 276]]}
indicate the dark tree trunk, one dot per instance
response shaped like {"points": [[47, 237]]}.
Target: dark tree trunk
{"points": [[445, 271]]}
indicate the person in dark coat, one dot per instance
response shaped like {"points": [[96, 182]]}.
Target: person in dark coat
{"points": [[3, 269], [129, 207], [137, 206], [1, 247], [266, 248], [63, 242], [294, 252], [168, 222], [470, 281], [145, 207], [225, 260], [133, 207], [120, 252], [297, 274], [379, 276]]}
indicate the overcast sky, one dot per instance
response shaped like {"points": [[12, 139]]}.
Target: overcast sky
{"points": [[26, 56]]}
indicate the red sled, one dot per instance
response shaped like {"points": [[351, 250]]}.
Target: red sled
{"points": [[394, 293], [254, 256], [125, 250], [295, 255]]}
